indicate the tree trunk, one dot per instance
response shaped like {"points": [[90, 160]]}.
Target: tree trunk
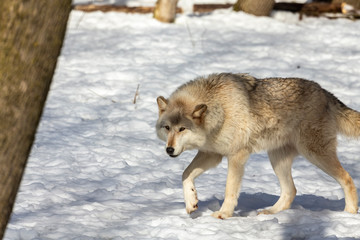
{"points": [[354, 3], [165, 10], [255, 7], [31, 36]]}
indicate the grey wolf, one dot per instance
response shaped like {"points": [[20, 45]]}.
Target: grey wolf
{"points": [[235, 115]]}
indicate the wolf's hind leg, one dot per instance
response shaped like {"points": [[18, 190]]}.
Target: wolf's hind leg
{"points": [[281, 160], [330, 164], [201, 163]]}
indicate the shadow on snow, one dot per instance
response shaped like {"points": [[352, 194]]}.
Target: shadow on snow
{"points": [[298, 225]]}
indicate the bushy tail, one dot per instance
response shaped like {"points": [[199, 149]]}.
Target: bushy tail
{"points": [[348, 121]]}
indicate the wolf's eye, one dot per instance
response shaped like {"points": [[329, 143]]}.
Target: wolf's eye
{"points": [[167, 128], [181, 129]]}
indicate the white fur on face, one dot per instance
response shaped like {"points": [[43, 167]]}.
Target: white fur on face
{"points": [[186, 140], [169, 127]]}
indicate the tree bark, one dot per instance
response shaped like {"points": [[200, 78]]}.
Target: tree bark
{"points": [[165, 10], [31, 36], [255, 7], [354, 3]]}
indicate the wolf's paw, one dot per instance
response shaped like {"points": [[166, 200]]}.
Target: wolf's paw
{"points": [[353, 209], [265, 212], [221, 215], [191, 199], [191, 208]]}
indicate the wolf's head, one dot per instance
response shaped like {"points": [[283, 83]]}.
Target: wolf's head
{"points": [[180, 125]]}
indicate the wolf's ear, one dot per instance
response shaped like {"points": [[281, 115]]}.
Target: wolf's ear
{"points": [[162, 103], [199, 111]]}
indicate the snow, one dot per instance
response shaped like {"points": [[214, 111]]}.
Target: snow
{"points": [[97, 169]]}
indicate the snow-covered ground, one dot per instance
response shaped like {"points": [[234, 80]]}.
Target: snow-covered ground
{"points": [[97, 169]]}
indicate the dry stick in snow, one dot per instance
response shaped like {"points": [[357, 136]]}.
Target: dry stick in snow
{"points": [[136, 94]]}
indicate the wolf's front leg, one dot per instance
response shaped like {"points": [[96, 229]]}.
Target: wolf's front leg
{"points": [[190, 196], [201, 163], [236, 165]]}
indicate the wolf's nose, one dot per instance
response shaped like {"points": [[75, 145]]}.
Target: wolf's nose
{"points": [[170, 150]]}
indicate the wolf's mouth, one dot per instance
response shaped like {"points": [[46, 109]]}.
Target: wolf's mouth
{"points": [[173, 156]]}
